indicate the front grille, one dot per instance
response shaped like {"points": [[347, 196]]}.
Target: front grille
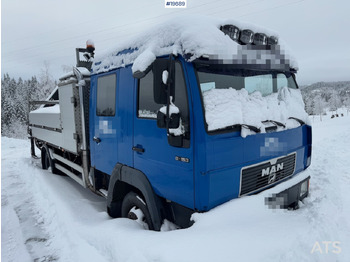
{"points": [[267, 173]]}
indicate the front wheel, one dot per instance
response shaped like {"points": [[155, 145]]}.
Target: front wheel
{"points": [[135, 208]]}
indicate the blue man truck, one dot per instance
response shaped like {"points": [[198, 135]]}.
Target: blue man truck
{"points": [[151, 126]]}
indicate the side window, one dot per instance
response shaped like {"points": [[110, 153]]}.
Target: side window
{"points": [[147, 108], [106, 91]]}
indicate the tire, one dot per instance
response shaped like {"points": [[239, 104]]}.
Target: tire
{"points": [[47, 161], [135, 208], [45, 158]]}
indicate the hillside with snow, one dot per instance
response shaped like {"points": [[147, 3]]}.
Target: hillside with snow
{"points": [[46, 217]]}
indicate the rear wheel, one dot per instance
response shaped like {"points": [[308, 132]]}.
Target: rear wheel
{"points": [[45, 158], [47, 161], [135, 208]]}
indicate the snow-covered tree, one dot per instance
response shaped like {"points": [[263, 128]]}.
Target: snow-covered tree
{"points": [[335, 102], [319, 105], [309, 105], [46, 82], [347, 104], [15, 98]]}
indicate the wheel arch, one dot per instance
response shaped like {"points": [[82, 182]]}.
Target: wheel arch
{"points": [[125, 179]]}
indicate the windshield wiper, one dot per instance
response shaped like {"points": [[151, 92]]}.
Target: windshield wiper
{"points": [[301, 122], [250, 127], [274, 122], [236, 127]]}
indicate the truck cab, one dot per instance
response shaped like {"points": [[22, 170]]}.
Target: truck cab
{"points": [[206, 163]]}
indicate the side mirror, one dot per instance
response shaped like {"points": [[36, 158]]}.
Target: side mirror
{"points": [[159, 88], [174, 121]]}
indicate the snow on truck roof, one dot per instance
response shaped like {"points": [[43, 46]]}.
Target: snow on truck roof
{"points": [[194, 36]]}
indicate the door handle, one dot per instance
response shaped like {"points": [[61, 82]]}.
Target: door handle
{"points": [[96, 139], [138, 149]]}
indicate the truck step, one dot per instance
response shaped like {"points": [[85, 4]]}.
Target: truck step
{"points": [[69, 173]]}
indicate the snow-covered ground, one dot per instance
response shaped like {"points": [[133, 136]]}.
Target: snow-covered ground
{"points": [[51, 218]]}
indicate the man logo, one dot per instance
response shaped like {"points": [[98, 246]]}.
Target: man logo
{"points": [[272, 178], [271, 170]]}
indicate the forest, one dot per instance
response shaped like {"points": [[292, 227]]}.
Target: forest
{"points": [[326, 96], [16, 95]]}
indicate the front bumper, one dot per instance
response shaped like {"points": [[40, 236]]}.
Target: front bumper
{"points": [[290, 197]]}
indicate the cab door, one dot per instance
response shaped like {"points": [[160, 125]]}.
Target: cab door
{"points": [[111, 119], [103, 121], [168, 168]]}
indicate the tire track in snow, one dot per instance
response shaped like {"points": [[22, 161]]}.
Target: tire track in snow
{"points": [[20, 206], [46, 229]]}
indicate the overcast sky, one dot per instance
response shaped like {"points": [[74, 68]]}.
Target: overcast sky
{"points": [[316, 31]]}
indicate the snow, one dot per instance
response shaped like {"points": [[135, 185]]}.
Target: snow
{"points": [[84, 71], [173, 109], [185, 35], [227, 107], [89, 42], [46, 217], [55, 109], [165, 77]]}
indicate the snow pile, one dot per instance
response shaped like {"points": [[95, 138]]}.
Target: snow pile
{"points": [[194, 36], [227, 107], [84, 71]]}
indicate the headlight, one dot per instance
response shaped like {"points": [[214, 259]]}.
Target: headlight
{"points": [[247, 36], [304, 188], [272, 40], [260, 39], [232, 31]]}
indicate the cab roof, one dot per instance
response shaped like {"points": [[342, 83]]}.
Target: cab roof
{"points": [[192, 37]]}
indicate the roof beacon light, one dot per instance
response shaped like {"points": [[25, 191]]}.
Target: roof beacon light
{"points": [[272, 40], [232, 31], [260, 39], [90, 46], [246, 36]]}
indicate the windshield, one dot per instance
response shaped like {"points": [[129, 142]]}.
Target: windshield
{"points": [[229, 95], [264, 82]]}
